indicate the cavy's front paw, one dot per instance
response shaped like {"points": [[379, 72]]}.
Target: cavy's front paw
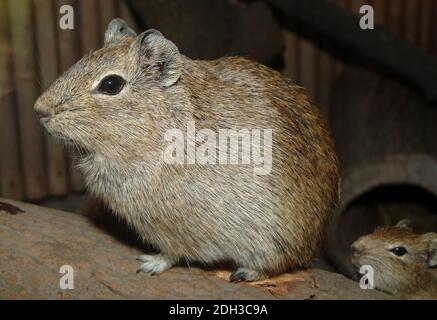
{"points": [[154, 264]]}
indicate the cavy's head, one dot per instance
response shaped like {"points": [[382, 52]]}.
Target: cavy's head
{"points": [[108, 99], [396, 254]]}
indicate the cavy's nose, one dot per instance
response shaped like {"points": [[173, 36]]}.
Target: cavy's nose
{"points": [[43, 116], [42, 111]]}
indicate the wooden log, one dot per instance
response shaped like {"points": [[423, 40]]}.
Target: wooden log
{"points": [[385, 136], [46, 24], [32, 147], [10, 170], [379, 47], [39, 241], [69, 53]]}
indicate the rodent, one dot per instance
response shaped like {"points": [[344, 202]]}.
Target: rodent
{"points": [[206, 213], [401, 260]]}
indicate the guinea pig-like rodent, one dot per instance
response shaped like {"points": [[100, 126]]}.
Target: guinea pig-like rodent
{"points": [[400, 259], [121, 104]]}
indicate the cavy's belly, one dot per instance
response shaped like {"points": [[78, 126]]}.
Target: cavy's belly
{"points": [[204, 218]]}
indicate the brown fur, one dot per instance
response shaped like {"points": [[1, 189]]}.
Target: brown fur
{"points": [[406, 276], [206, 213]]}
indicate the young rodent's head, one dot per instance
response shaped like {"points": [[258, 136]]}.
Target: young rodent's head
{"points": [[110, 97], [397, 255]]}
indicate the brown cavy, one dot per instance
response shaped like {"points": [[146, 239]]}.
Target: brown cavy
{"points": [[118, 104], [400, 260]]}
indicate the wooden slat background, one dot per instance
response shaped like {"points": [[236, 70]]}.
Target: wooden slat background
{"points": [[34, 51]]}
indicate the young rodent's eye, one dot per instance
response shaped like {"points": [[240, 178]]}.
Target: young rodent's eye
{"points": [[111, 85], [399, 251]]}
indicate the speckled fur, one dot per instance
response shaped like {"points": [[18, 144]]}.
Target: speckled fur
{"points": [[404, 276], [211, 213]]}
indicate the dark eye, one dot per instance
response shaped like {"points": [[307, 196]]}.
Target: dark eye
{"points": [[399, 251], [111, 85]]}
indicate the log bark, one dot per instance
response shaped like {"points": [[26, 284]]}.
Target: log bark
{"points": [[384, 133], [380, 47], [35, 242], [385, 136]]}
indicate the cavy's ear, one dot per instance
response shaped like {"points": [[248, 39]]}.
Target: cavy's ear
{"points": [[431, 240], [153, 50], [118, 32], [404, 224]]}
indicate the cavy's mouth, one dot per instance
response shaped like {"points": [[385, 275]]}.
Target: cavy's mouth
{"points": [[356, 275]]}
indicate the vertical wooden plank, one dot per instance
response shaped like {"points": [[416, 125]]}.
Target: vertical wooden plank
{"points": [[394, 16], [425, 24], [124, 13], [355, 6], [411, 16], [108, 11], [379, 9], [32, 148], [10, 171], [325, 78], [89, 27], [48, 62], [291, 55], [433, 29], [339, 65], [308, 68], [68, 55]]}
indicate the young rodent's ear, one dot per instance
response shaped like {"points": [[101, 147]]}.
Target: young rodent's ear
{"points": [[152, 49], [118, 32], [404, 224], [431, 240]]}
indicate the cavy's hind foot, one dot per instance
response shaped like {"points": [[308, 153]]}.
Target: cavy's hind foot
{"points": [[154, 264], [245, 274]]}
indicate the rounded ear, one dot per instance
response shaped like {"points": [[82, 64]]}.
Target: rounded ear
{"points": [[152, 49], [431, 240], [118, 32], [404, 224]]}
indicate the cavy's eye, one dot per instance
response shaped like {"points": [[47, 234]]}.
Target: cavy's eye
{"points": [[399, 251], [111, 85]]}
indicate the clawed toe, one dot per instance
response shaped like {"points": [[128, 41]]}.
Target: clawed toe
{"points": [[153, 264], [243, 274]]}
